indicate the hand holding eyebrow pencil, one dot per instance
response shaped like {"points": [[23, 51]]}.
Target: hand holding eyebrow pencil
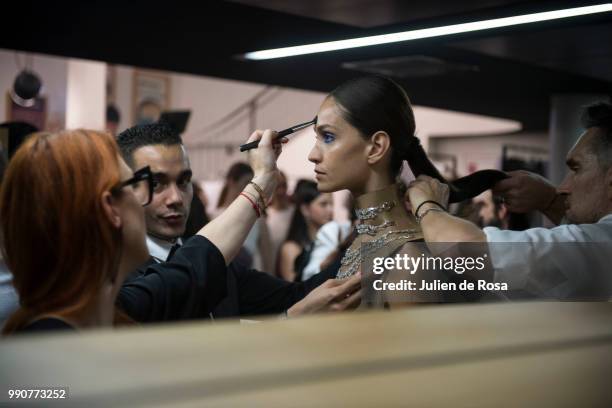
{"points": [[281, 134]]}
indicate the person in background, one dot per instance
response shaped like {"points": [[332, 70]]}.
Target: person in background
{"points": [[278, 218], [238, 176], [9, 301], [313, 210], [113, 117], [257, 245], [492, 212], [330, 243], [15, 133]]}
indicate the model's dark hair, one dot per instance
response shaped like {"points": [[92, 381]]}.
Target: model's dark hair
{"points": [[305, 193], [599, 115], [376, 103], [145, 135]]}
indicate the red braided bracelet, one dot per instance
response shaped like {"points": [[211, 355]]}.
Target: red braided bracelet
{"points": [[255, 207]]}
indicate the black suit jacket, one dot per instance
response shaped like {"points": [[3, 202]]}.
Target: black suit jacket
{"points": [[189, 286], [219, 291]]}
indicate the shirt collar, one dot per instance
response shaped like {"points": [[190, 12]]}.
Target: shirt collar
{"points": [[159, 248]]}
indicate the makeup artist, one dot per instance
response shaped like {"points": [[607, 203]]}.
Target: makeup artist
{"points": [[249, 292]]}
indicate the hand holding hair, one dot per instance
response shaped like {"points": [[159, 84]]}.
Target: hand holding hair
{"points": [[524, 191], [425, 189]]}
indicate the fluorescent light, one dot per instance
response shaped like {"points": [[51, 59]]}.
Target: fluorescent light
{"points": [[426, 33]]}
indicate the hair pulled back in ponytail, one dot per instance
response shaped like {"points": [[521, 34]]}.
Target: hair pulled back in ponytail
{"points": [[375, 103]]}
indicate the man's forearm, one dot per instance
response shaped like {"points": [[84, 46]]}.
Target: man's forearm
{"points": [[440, 226]]}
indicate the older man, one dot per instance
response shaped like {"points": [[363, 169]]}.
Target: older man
{"points": [[567, 261]]}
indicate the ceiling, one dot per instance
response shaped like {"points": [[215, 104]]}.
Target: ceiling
{"points": [[509, 72]]}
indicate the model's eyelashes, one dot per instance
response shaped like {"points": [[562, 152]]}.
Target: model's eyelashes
{"points": [[328, 137]]}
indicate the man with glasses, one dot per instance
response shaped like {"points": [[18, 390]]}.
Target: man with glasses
{"points": [[249, 292]]}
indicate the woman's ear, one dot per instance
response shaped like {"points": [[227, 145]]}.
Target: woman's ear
{"points": [[380, 144], [110, 207]]}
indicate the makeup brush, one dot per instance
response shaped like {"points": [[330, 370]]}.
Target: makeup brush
{"points": [[282, 133]]}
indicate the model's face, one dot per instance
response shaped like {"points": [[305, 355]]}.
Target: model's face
{"points": [[167, 214], [320, 211], [585, 184], [339, 153]]}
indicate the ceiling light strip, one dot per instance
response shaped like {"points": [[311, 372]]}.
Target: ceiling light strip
{"points": [[426, 33]]}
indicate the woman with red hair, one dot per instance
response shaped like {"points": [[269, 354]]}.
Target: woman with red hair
{"points": [[71, 231], [72, 228]]}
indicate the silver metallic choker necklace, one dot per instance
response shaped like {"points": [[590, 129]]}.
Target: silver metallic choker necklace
{"points": [[373, 229], [371, 212]]}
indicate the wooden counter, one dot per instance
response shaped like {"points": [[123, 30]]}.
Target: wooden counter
{"points": [[511, 354]]}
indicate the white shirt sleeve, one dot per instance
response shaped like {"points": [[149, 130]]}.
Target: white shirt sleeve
{"points": [[326, 241], [549, 262]]}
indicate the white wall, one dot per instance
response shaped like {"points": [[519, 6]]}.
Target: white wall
{"points": [[86, 95], [123, 95], [483, 152]]}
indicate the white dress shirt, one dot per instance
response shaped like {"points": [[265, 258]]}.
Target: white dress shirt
{"points": [[159, 249], [552, 262]]}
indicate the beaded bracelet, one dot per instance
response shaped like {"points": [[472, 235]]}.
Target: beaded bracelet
{"points": [[427, 211], [416, 213], [262, 197], [255, 206]]}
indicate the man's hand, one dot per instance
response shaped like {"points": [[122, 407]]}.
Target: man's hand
{"points": [[524, 191], [425, 188], [334, 295]]}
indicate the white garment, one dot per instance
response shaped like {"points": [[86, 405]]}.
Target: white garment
{"points": [[159, 249], [552, 262], [251, 244], [327, 240], [9, 300]]}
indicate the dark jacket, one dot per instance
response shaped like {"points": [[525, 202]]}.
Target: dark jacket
{"points": [[161, 291]]}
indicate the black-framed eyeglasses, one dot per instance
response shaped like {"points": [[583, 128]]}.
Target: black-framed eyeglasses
{"points": [[142, 184]]}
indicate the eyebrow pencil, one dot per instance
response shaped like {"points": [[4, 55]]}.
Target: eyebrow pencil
{"points": [[282, 133]]}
